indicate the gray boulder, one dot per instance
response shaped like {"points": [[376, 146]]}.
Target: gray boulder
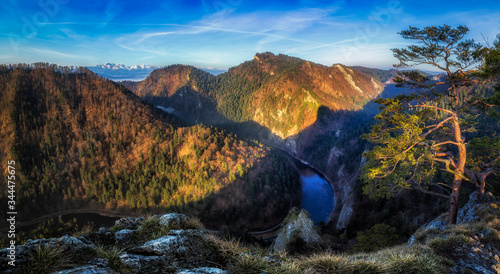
{"points": [[299, 227], [181, 249], [104, 236], [124, 236], [67, 244], [174, 220], [145, 264], [436, 224], [87, 269], [202, 270], [468, 213], [129, 222]]}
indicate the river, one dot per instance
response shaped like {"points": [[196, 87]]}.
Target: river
{"points": [[317, 193], [317, 197]]}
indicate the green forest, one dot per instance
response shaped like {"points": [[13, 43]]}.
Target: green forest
{"points": [[80, 141]]}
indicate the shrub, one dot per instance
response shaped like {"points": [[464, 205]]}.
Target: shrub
{"points": [[194, 223], [86, 230], [151, 229], [112, 254], [47, 259], [376, 238], [443, 245]]}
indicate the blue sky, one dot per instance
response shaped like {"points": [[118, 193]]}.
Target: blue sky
{"points": [[224, 33]]}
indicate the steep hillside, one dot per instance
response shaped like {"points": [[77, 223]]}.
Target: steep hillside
{"points": [[186, 91], [310, 110], [289, 102], [79, 141], [384, 76], [305, 108], [387, 75], [280, 93]]}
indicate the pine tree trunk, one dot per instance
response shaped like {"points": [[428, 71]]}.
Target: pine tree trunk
{"points": [[454, 200], [480, 184], [459, 168]]}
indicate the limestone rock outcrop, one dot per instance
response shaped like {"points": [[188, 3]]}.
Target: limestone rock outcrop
{"points": [[134, 245], [297, 227], [473, 244]]}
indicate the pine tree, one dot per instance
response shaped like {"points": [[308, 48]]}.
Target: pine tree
{"points": [[415, 133]]}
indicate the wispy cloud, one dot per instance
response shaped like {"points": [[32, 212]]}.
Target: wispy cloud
{"points": [[257, 29], [69, 33], [112, 11], [157, 51], [49, 52], [271, 25], [72, 23]]}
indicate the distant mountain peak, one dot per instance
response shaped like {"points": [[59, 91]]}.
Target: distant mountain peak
{"points": [[278, 92], [114, 66], [212, 70], [121, 72], [263, 56]]}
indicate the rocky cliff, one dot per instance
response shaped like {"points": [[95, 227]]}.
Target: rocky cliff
{"points": [[473, 244], [170, 243]]}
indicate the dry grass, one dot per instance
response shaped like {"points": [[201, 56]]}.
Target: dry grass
{"points": [[331, 263], [86, 230], [47, 259], [151, 229], [112, 254], [399, 259], [444, 245], [228, 249], [289, 267], [194, 223], [248, 264]]}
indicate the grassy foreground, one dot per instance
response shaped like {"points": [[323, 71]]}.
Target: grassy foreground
{"points": [[399, 259], [436, 250]]}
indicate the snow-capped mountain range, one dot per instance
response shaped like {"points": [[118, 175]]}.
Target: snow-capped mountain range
{"points": [[121, 72]]}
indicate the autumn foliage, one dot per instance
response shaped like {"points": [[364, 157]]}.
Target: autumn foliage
{"points": [[81, 141]]}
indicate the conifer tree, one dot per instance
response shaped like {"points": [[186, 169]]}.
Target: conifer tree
{"points": [[423, 130]]}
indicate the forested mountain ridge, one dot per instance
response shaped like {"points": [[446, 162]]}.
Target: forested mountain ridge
{"points": [[280, 93], [80, 141], [310, 110], [289, 103], [188, 90]]}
